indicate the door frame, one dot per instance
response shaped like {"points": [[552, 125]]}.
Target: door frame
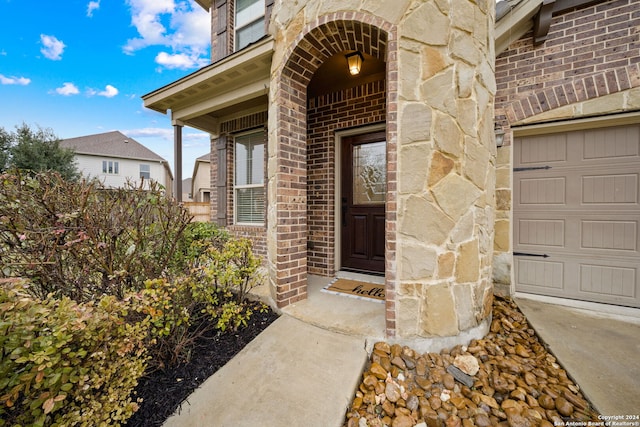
{"points": [[337, 190]]}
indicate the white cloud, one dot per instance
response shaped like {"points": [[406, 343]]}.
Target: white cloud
{"points": [[108, 92], [146, 17], [165, 133], [93, 5], [13, 80], [192, 28], [181, 61], [52, 48], [196, 140], [68, 89], [174, 24]]}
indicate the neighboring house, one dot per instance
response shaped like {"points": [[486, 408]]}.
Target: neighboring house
{"points": [[186, 190], [114, 158], [201, 179], [388, 166]]}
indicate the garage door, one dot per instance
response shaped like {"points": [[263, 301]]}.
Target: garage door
{"points": [[576, 215]]}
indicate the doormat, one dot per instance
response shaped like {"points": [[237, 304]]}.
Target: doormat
{"points": [[356, 289]]}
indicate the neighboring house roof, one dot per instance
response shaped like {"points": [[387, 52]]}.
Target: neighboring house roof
{"points": [[205, 158], [113, 144], [110, 144]]}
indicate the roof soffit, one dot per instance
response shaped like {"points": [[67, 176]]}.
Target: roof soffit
{"points": [[516, 17], [235, 73], [205, 4], [515, 23]]}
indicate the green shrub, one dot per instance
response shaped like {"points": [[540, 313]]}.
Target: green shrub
{"points": [[80, 240], [212, 296], [104, 263], [67, 363], [234, 267], [197, 238]]}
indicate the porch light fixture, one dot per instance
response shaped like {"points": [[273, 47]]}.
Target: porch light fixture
{"points": [[497, 129], [354, 61]]}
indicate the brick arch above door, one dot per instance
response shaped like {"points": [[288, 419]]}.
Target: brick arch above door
{"points": [[336, 34]]}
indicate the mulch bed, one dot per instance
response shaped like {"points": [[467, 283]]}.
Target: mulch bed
{"points": [[164, 390]]}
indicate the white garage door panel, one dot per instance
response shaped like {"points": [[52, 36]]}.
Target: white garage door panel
{"points": [[615, 187], [540, 276], [576, 215], [600, 280], [589, 234], [613, 235]]}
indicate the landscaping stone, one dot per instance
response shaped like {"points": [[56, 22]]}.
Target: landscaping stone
{"points": [[516, 383]]}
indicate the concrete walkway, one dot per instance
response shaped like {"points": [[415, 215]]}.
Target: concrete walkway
{"points": [[293, 374], [600, 351], [303, 372]]}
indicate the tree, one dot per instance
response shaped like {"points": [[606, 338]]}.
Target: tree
{"points": [[5, 146], [36, 150]]}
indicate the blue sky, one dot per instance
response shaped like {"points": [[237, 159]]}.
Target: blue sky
{"points": [[79, 67]]}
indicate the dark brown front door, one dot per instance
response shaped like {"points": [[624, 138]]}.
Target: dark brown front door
{"points": [[364, 188]]}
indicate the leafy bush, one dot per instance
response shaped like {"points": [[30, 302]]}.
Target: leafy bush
{"points": [[197, 238], [80, 240], [119, 281], [232, 268], [65, 363], [212, 296]]}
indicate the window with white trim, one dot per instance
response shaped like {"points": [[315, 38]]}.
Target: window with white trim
{"points": [[249, 22], [110, 167], [145, 171], [248, 190]]}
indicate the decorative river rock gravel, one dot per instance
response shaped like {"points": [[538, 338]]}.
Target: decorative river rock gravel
{"points": [[515, 382]]}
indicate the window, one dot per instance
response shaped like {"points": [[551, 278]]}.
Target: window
{"points": [[249, 22], [110, 167], [249, 179], [145, 171]]}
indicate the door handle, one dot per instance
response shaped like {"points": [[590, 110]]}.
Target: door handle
{"points": [[344, 211], [528, 254]]}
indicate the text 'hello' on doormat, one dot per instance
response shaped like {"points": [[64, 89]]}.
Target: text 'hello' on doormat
{"points": [[356, 289]]}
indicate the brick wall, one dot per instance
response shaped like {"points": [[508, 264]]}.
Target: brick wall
{"points": [[257, 234], [317, 41], [222, 27], [589, 53], [358, 106]]}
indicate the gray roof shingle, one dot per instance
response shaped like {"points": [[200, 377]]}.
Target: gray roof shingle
{"points": [[110, 144]]}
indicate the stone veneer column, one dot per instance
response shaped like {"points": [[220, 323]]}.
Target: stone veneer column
{"points": [[446, 169], [440, 212]]}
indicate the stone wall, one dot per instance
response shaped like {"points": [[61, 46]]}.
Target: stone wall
{"points": [[441, 152], [446, 168], [589, 66]]}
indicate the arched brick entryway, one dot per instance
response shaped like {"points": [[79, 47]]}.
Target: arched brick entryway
{"points": [[287, 167]]}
